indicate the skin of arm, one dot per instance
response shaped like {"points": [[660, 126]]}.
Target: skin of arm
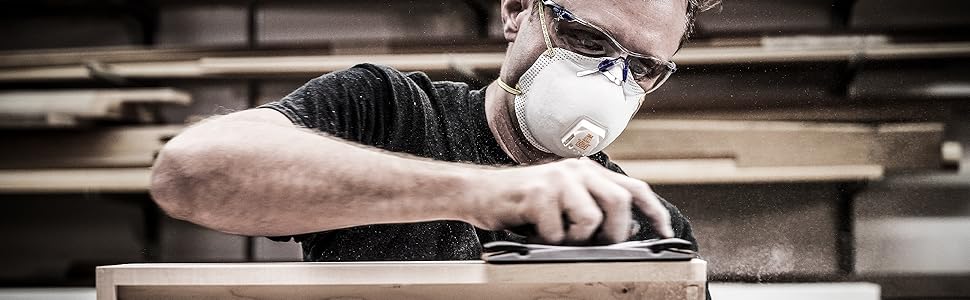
{"points": [[255, 173], [251, 173]]}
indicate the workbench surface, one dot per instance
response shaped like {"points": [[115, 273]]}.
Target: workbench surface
{"points": [[404, 280]]}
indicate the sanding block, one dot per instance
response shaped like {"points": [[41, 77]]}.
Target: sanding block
{"points": [[672, 249]]}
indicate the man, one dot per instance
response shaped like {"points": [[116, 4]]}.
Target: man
{"points": [[373, 164]]}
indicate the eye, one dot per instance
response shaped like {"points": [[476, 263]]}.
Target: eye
{"points": [[585, 43], [643, 69]]}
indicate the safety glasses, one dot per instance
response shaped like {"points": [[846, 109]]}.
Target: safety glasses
{"points": [[582, 37]]}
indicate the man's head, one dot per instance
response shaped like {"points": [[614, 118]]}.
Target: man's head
{"points": [[601, 58], [653, 27]]}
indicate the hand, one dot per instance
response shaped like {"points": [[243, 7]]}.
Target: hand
{"points": [[573, 201]]}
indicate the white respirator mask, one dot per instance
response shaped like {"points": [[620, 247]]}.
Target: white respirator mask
{"points": [[573, 105], [566, 106]]}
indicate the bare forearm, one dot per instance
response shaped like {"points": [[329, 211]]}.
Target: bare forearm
{"points": [[256, 178]]}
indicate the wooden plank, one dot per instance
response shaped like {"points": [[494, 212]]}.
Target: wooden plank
{"points": [[42, 293], [406, 280], [869, 113], [725, 171], [107, 180], [114, 147], [769, 143], [70, 107], [904, 146], [294, 65], [217, 65], [137, 180]]}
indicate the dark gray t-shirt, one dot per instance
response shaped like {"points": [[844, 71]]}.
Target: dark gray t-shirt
{"points": [[407, 112]]}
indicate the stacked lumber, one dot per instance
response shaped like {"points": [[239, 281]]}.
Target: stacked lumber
{"points": [[76, 142], [111, 159], [72, 108], [169, 64], [657, 151], [698, 151]]}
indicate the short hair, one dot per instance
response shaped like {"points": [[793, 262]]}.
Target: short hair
{"points": [[694, 7]]}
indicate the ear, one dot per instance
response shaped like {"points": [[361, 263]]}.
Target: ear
{"points": [[514, 14]]}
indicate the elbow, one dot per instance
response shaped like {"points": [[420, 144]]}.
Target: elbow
{"points": [[187, 177], [173, 180]]}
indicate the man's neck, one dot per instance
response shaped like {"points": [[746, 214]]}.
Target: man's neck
{"points": [[505, 129]]}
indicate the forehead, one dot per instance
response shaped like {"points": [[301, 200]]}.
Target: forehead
{"points": [[645, 26]]}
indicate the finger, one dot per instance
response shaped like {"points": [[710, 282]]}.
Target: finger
{"points": [[645, 199], [584, 214], [615, 202], [549, 223], [654, 210]]}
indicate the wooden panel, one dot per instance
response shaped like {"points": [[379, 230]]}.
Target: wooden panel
{"points": [[99, 148], [215, 65], [761, 144], [107, 180], [323, 64], [405, 280], [871, 112], [902, 146], [71, 107], [723, 171]]}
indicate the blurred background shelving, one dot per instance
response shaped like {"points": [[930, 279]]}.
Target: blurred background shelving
{"points": [[808, 140]]}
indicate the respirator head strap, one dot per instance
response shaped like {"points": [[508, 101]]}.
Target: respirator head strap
{"points": [[508, 88], [545, 28]]}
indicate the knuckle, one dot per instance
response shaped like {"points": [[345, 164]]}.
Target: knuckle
{"points": [[610, 201], [641, 186], [558, 174], [617, 198], [623, 196], [574, 163], [589, 218]]}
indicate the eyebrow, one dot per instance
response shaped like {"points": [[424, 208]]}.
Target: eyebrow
{"points": [[609, 35]]}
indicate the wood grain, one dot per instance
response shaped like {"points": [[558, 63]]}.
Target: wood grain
{"points": [[106, 180], [725, 171], [773, 143], [404, 280], [216, 65], [66, 108], [108, 147]]}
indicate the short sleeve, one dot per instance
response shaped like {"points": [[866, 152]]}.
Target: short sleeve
{"points": [[365, 104], [357, 104]]}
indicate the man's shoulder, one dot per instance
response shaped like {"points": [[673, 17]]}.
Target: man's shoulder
{"points": [[396, 78]]}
